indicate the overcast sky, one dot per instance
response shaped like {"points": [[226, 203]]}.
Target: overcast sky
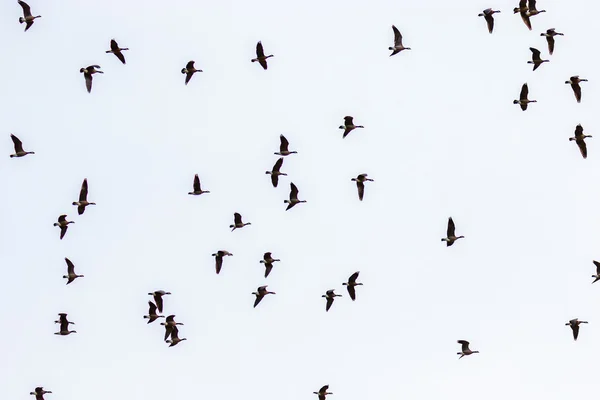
{"points": [[442, 138]]}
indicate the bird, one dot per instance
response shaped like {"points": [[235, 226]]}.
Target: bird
{"points": [[532, 10], [283, 147], [268, 260], [293, 197], [39, 393], [174, 337], [535, 58], [189, 71], [275, 172], [19, 152], [465, 349], [597, 276], [349, 126], [152, 315], [117, 51], [260, 293], [237, 222], [350, 285], [550, 33], [87, 74], [169, 324], [574, 323], [158, 294], [450, 236], [579, 139], [27, 17], [574, 82], [197, 189], [71, 275], [488, 14], [260, 56], [524, 11], [330, 296], [83, 203], [63, 224], [323, 392], [523, 100], [64, 325], [219, 259], [398, 47], [360, 184]]}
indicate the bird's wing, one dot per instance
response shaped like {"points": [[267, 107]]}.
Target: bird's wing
{"points": [[188, 76], [353, 277], [70, 266], [237, 218], [575, 328], [63, 231], [268, 268], [348, 120], [293, 192], [582, 147], [535, 53], [347, 131], [550, 41], [489, 18], [17, 142], [397, 36], [324, 389], [258, 299], [218, 263], [578, 130], [284, 143], [361, 189], [196, 183], [351, 292], [329, 303], [120, 56], [267, 255], [451, 228], [84, 191], [88, 81], [525, 18], [168, 331], [151, 308], [278, 165], [189, 65], [62, 218], [170, 318], [274, 179], [597, 264], [263, 63], [524, 92], [532, 5], [260, 53], [577, 91], [26, 8], [114, 46], [159, 302]]}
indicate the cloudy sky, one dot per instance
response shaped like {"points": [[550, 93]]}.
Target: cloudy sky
{"points": [[442, 138]]}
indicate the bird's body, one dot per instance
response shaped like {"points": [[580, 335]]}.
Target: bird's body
{"points": [[523, 100], [523, 10], [64, 325], [398, 46], [175, 337], [574, 82], [39, 393], [293, 197], [237, 222], [71, 275], [488, 14], [330, 296], [349, 126], [536, 60], [549, 34], [83, 202], [450, 235], [152, 315], [158, 298], [260, 293], [19, 152], [360, 184], [189, 71], [268, 260], [465, 351], [197, 189], [275, 172], [579, 139], [323, 392], [219, 259], [283, 147], [351, 284], [117, 51], [260, 56], [574, 324], [27, 18], [88, 73], [63, 224]]}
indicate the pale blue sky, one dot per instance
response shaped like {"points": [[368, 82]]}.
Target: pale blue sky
{"points": [[442, 138]]}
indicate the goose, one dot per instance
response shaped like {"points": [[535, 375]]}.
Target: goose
{"points": [[360, 184], [450, 236], [574, 82], [293, 197], [83, 203], [39, 393], [597, 276], [398, 47], [63, 224], [283, 147], [219, 259], [523, 100], [550, 33], [19, 152], [169, 324], [523, 10], [87, 74], [174, 337], [64, 325], [323, 392], [197, 189], [189, 71], [535, 58], [532, 10], [268, 260], [579, 139], [349, 126], [260, 293], [237, 222], [116, 50], [152, 315], [27, 17], [260, 56], [488, 14], [330, 296], [158, 294], [275, 172], [574, 324], [465, 349], [350, 285], [71, 275]]}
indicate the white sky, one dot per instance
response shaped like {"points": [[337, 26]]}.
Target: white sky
{"points": [[442, 138]]}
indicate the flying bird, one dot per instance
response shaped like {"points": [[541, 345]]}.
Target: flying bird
{"points": [[330, 296], [27, 17], [465, 351], [117, 51], [488, 14], [87, 74], [19, 152], [275, 172], [63, 224], [283, 147], [39, 393], [536, 60], [550, 33], [523, 10], [574, 82], [260, 293], [574, 324], [158, 294], [323, 392], [532, 10], [237, 222], [398, 47], [579, 139], [293, 197], [597, 276], [83, 203], [64, 325], [197, 189], [268, 260], [349, 126], [351, 284], [189, 71], [175, 337], [523, 100], [71, 275], [152, 315], [219, 259], [169, 325], [450, 235], [360, 184], [260, 56]]}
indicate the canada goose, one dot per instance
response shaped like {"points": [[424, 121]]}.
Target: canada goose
{"points": [[268, 260], [219, 259], [275, 172], [349, 126], [64, 325], [532, 10], [523, 100], [523, 10], [116, 50], [27, 17], [83, 203], [87, 74], [169, 324], [19, 152], [237, 222], [574, 82], [574, 323], [323, 392], [189, 71], [360, 184], [579, 139], [535, 58], [597, 276], [398, 47], [488, 14], [152, 315], [175, 337], [158, 294], [260, 56], [293, 197], [465, 349], [450, 236], [197, 189], [330, 296], [39, 393], [550, 33], [71, 275], [283, 147], [63, 224], [351, 284], [260, 293]]}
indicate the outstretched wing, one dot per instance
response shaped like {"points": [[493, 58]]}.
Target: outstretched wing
{"points": [[397, 36], [451, 228], [70, 266], [26, 9], [293, 191], [524, 92], [84, 191], [17, 142]]}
